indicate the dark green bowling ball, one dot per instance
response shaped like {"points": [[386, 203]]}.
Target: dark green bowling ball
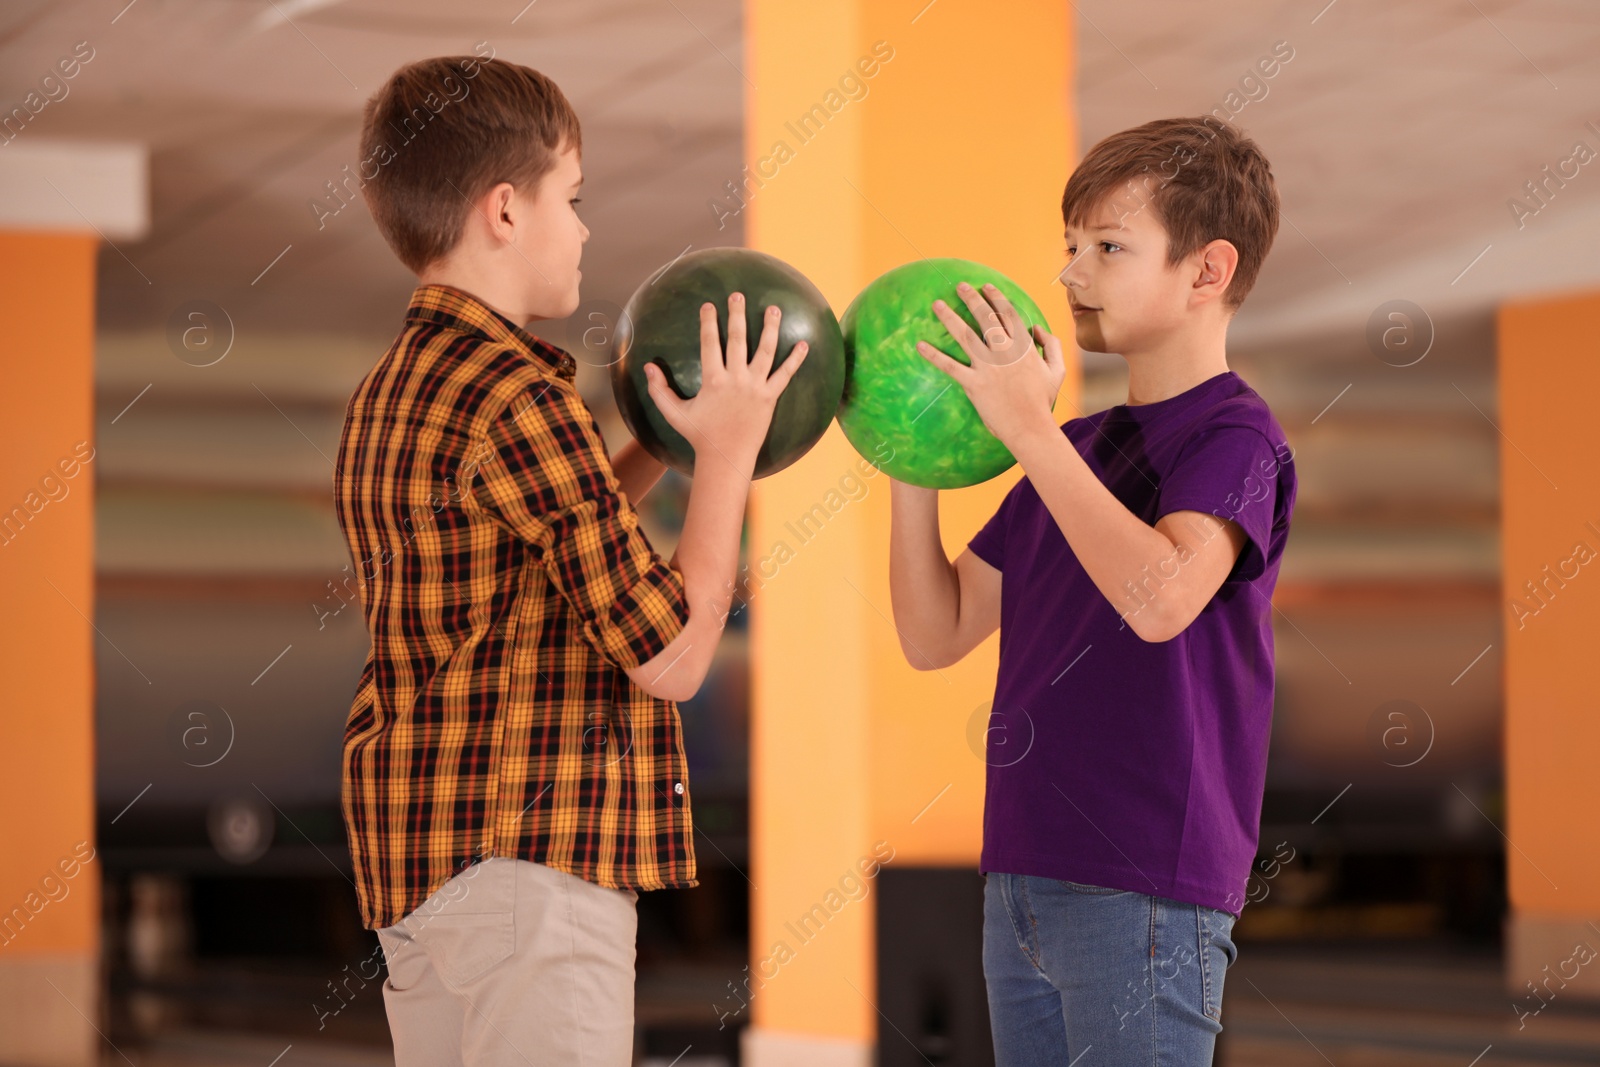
{"points": [[661, 325], [896, 403]]}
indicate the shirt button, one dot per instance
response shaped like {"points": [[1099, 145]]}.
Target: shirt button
{"points": [[677, 787]]}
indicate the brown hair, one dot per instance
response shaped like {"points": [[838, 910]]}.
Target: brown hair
{"points": [[1203, 179], [443, 131]]}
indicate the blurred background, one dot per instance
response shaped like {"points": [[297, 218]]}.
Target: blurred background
{"points": [[1423, 329]]}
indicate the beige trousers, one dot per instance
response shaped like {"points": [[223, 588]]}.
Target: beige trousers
{"points": [[517, 964]]}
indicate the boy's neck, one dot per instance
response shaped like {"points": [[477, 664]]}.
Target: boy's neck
{"points": [[1176, 364], [491, 287]]}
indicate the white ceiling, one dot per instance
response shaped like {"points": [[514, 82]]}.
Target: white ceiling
{"points": [[247, 116], [1398, 132]]}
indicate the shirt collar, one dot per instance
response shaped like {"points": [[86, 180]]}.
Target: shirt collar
{"points": [[457, 309]]}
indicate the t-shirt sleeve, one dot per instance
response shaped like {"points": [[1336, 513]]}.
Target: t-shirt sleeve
{"points": [[1232, 472], [989, 543], [548, 478]]}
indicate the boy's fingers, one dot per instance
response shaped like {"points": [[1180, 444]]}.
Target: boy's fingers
{"points": [[710, 343], [943, 362], [1049, 341], [738, 355], [1014, 325], [1054, 360], [767, 347], [791, 366], [956, 326], [994, 332], [656, 383], [1052, 352]]}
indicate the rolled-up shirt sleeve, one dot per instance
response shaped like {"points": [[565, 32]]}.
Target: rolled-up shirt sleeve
{"points": [[547, 476]]}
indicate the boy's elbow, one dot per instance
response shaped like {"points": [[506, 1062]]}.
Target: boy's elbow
{"points": [[924, 659], [1156, 627], [678, 670], [670, 675], [1146, 625], [670, 684], [674, 694], [684, 687]]}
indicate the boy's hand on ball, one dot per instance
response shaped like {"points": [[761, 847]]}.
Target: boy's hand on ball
{"points": [[1009, 385], [733, 409]]}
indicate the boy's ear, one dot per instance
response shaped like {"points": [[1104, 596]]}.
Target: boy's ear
{"points": [[1219, 260], [496, 204], [494, 209]]}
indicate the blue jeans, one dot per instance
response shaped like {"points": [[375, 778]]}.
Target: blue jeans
{"points": [[1094, 977]]}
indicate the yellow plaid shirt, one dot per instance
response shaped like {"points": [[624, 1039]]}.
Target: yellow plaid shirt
{"points": [[506, 586]]}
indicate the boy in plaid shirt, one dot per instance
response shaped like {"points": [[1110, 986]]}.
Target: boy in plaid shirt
{"points": [[513, 763]]}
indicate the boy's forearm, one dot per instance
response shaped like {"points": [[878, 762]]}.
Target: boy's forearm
{"points": [[923, 587], [708, 557], [1115, 546], [636, 470]]}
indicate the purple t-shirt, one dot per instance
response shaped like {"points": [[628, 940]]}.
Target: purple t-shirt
{"points": [[1117, 762]]}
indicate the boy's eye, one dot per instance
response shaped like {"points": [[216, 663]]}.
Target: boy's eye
{"points": [[1107, 245], [577, 200]]}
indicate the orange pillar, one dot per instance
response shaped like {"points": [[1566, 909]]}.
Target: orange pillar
{"points": [[877, 133], [49, 926], [57, 201], [1550, 553]]}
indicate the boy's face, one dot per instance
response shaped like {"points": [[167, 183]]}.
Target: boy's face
{"points": [[1124, 297], [552, 242]]}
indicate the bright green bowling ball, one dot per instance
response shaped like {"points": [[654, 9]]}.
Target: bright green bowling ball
{"points": [[898, 409]]}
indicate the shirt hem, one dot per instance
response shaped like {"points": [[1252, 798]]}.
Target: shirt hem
{"points": [[374, 920], [1129, 879]]}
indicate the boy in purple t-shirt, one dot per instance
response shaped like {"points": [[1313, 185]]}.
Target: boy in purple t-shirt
{"points": [[1130, 574]]}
